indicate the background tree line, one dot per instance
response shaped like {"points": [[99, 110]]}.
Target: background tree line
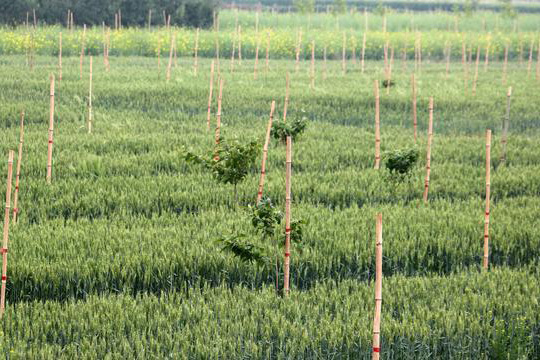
{"points": [[197, 13]]}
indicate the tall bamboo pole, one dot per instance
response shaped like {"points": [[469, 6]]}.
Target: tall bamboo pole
{"points": [[265, 152], [218, 119], [286, 97], [171, 50], [60, 56], [377, 127], [390, 64], [538, 62], [378, 289], [90, 99], [363, 50], [488, 190], [233, 51], [6, 234], [18, 172], [298, 46], [448, 52], [51, 130], [159, 56], [506, 123], [217, 52], [413, 85], [108, 64], [210, 95], [288, 170], [486, 61], [239, 45], [476, 70], [428, 155], [196, 62], [325, 70]]}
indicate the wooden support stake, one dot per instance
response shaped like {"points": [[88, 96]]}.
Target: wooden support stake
{"points": [[288, 170], [265, 152], [325, 72], [239, 45], [378, 289], [390, 64], [60, 56], [171, 50], [488, 189], [286, 98], [6, 234], [377, 128], [476, 70], [448, 52], [159, 56], [51, 130], [506, 124], [18, 173], [486, 61], [538, 62], [210, 95], [90, 99], [218, 120], [413, 86], [428, 154]]}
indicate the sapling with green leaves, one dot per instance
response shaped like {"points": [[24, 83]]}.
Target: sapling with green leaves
{"points": [[399, 165], [232, 164], [295, 128]]}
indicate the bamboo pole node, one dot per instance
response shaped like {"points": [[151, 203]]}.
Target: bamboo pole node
{"points": [[428, 154], [6, 233], [378, 289], [265, 152], [488, 190], [288, 170]]}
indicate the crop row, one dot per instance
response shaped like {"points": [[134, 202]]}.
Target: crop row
{"points": [[470, 316]]}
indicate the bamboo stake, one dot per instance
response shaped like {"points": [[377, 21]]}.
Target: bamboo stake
{"points": [[506, 124], [286, 98], [529, 64], [196, 64], [6, 234], [175, 55], [476, 70], [428, 155], [35, 20], [116, 21], [218, 118], [488, 190], [171, 50], [256, 60], [81, 60], [18, 173], [210, 95], [343, 52], [60, 57], [390, 70], [108, 64], [363, 50], [505, 66], [90, 99], [385, 51], [149, 19], [298, 45], [72, 23], [378, 289], [217, 51], [413, 82], [288, 170], [51, 130], [377, 127], [313, 64], [267, 50], [232, 51], [265, 152]]}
